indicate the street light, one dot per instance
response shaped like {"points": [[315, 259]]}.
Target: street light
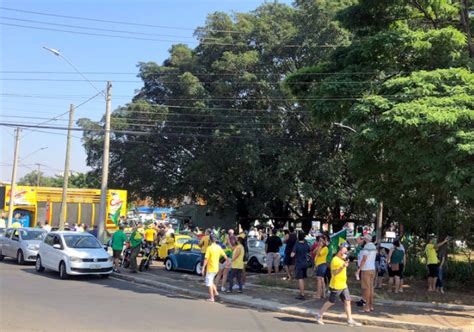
{"points": [[58, 53]]}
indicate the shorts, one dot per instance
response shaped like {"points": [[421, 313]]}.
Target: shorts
{"points": [[273, 259], [117, 254], [321, 270], [210, 278], [288, 260], [222, 265], [392, 274], [343, 294], [433, 270], [381, 273], [367, 279], [301, 272]]}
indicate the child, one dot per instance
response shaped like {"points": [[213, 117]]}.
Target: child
{"points": [[381, 266]]}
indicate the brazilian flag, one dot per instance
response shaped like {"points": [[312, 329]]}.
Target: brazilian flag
{"points": [[336, 240]]}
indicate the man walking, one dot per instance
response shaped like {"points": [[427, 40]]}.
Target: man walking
{"points": [[367, 272], [211, 265], [300, 253], [136, 239], [272, 248], [338, 287], [118, 239]]}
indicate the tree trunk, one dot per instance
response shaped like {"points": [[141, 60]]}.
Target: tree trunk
{"points": [[464, 13]]}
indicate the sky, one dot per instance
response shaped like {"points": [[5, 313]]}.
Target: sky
{"points": [[26, 97]]}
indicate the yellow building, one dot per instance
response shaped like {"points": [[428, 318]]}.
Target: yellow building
{"points": [[40, 204]]}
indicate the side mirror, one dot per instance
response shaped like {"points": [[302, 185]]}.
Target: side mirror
{"points": [[56, 246]]}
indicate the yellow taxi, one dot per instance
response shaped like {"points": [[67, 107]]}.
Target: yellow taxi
{"points": [[167, 244]]}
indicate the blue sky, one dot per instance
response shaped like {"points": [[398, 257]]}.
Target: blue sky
{"points": [[22, 51]]}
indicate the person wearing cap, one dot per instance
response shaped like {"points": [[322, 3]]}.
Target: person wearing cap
{"points": [[338, 287], [367, 272], [432, 261], [211, 265]]}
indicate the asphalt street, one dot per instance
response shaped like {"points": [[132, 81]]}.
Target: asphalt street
{"points": [[32, 301]]}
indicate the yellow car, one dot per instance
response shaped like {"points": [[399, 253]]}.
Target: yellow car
{"points": [[166, 244]]}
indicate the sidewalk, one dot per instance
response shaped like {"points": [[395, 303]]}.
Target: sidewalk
{"points": [[396, 315]]}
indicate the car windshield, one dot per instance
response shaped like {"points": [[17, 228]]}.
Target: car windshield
{"points": [[81, 241], [182, 240], [32, 235]]}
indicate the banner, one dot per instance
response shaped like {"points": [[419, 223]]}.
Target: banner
{"points": [[117, 200], [336, 240]]}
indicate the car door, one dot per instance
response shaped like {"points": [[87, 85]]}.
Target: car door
{"points": [[6, 242], [56, 254], [45, 250], [14, 243]]}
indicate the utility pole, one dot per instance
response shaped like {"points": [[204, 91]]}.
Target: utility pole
{"points": [[13, 183], [105, 166], [62, 215], [38, 175]]}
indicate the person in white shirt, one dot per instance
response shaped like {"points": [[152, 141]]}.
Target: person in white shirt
{"points": [[47, 227], [3, 222], [79, 229], [367, 270]]}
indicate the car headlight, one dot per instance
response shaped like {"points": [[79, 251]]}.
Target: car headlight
{"points": [[75, 259], [33, 246]]}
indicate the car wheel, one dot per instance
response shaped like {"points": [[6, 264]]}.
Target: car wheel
{"points": [[62, 271], [198, 268], [20, 258], [38, 266], [168, 265], [1, 256]]}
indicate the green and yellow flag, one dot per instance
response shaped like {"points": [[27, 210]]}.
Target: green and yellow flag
{"points": [[336, 240]]}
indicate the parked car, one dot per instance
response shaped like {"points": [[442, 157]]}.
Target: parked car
{"points": [[72, 253], [257, 255], [163, 247], [21, 243], [187, 258]]}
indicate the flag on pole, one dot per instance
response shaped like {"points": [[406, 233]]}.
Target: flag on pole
{"points": [[336, 240]]}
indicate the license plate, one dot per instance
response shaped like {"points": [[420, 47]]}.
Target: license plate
{"points": [[95, 266]]}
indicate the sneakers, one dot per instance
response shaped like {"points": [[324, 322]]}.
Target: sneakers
{"points": [[319, 319], [300, 297], [222, 289], [353, 323]]}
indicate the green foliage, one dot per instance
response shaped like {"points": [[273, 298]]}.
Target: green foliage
{"points": [[76, 180]]}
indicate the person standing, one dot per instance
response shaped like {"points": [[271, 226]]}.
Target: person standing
{"points": [[367, 272], [150, 235], [47, 226], [289, 262], [338, 287], [136, 239], [439, 281], [211, 266], [3, 221], [395, 258], [381, 266], [118, 240], [320, 263], [237, 265], [432, 261], [300, 254], [272, 249], [204, 243]]}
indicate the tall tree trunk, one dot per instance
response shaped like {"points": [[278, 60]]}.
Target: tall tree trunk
{"points": [[464, 13]]}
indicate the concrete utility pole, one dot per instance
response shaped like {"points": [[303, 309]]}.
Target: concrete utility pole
{"points": [[105, 166], [13, 183], [62, 215], [38, 175]]}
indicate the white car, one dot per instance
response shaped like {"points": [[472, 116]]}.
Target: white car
{"points": [[73, 253], [21, 243]]}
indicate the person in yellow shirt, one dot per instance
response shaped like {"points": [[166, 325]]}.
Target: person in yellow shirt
{"points": [[204, 243], [150, 235], [432, 261], [320, 263], [237, 265], [211, 265], [171, 243], [338, 286]]}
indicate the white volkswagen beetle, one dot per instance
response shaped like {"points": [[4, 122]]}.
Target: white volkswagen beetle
{"points": [[72, 253]]}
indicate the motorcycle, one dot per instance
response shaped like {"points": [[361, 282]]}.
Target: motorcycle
{"points": [[150, 253], [127, 252]]}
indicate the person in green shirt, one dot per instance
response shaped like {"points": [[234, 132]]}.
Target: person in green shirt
{"points": [[136, 239], [118, 240]]}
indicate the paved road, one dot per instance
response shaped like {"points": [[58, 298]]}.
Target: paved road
{"points": [[30, 301]]}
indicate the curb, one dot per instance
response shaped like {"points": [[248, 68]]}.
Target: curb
{"points": [[276, 307], [430, 305]]}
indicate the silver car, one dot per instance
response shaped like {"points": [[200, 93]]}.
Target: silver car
{"points": [[21, 243]]}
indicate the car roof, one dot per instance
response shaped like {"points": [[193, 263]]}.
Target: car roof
{"points": [[70, 233], [28, 229]]}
